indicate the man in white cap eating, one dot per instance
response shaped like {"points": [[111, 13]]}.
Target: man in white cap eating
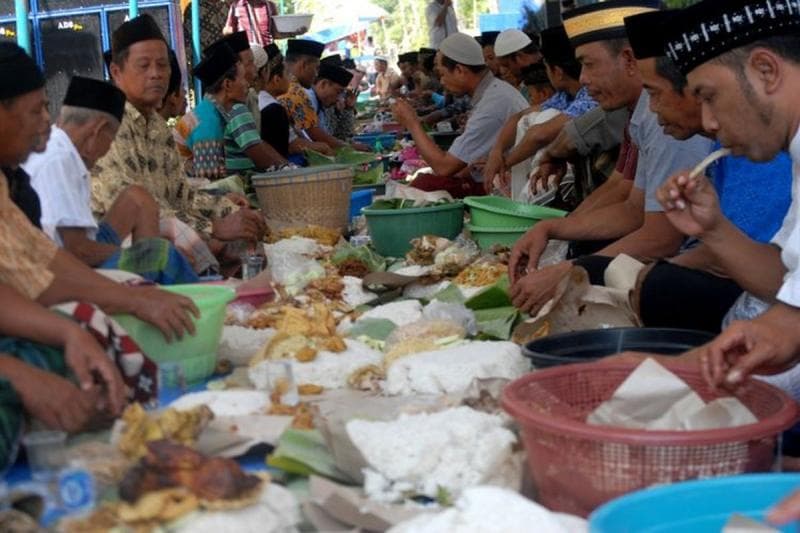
{"points": [[463, 71]]}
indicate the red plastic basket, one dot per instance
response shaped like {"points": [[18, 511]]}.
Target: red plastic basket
{"points": [[576, 466]]}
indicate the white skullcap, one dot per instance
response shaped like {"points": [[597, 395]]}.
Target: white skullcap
{"points": [[510, 41], [382, 58], [260, 55], [463, 49]]}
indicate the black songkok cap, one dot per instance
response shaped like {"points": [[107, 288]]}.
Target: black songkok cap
{"points": [[141, 28], [645, 33], [19, 73], [272, 51], [93, 94], [488, 38], [333, 60], [409, 57], [303, 47], [215, 65], [603, 21], [335, 74], [555, 46], [708, 29], [535, 74], [235, 41]]}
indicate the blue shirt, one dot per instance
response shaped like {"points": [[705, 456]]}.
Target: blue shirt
{"points": [[754, 196], [572, 107]]}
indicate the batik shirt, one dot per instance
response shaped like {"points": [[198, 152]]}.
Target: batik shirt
{"points": [[566, 104], [25, 252], [300, 108], [144, 154]]}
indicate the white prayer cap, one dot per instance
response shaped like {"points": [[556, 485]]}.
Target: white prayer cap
{"points": [[260, 56], [463, 49], [510, 41]]}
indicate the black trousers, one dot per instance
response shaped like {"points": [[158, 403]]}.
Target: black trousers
{"points": [[674, 296]]}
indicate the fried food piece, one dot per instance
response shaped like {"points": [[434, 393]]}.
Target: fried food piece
{"points": [[330, 286], [160, 506], [481, 274], [353, 267], [334, 344], [324, 236], [306, 354], [308, 389], [170, 465], [219, 478], [142, 427], [367, 378]]}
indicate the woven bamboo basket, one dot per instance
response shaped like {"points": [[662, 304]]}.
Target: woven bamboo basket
{"points": [[305, 196]]}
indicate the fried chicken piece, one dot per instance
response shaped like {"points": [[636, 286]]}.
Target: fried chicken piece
{"points": [[221, 479], [168, 454]]}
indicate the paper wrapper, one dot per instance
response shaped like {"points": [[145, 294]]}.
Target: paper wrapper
{"points": [[578, 305], [348, 506], [654, 398], [336, 408]]}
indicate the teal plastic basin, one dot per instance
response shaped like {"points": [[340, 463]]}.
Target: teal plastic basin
{"points": [[392, 230], [497, 212], [197, 354]]}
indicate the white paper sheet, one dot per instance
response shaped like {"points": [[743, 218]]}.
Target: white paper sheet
{"points": [[654, 398]]}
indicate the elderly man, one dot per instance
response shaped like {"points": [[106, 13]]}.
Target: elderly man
{"points": [[89, 120], [570, 101], [637, 226], [144, 153], [463, 71], [35, 273], [442, 21]]}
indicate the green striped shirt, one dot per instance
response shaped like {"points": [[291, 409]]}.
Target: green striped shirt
{"points": [[241, 133]]}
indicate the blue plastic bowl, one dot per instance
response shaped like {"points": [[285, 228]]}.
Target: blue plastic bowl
{"points": [[703, 506]]}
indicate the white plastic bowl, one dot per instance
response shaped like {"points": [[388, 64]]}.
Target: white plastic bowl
{"points": [[292, 23]]}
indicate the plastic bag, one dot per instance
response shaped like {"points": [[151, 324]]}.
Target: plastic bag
{"points": [[291, 263], [453, 312]]}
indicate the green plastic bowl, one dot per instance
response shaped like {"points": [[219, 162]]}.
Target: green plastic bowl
{"points": [[197, 354], [488, 237], [392, 230], [497, 212]]}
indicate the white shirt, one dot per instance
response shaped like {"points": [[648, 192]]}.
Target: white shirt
{"points": [[437, 34], [265, 99], [62, 181], [788, 237]]}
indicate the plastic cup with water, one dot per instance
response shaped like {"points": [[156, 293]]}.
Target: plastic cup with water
{"points": [[45, 451]]}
